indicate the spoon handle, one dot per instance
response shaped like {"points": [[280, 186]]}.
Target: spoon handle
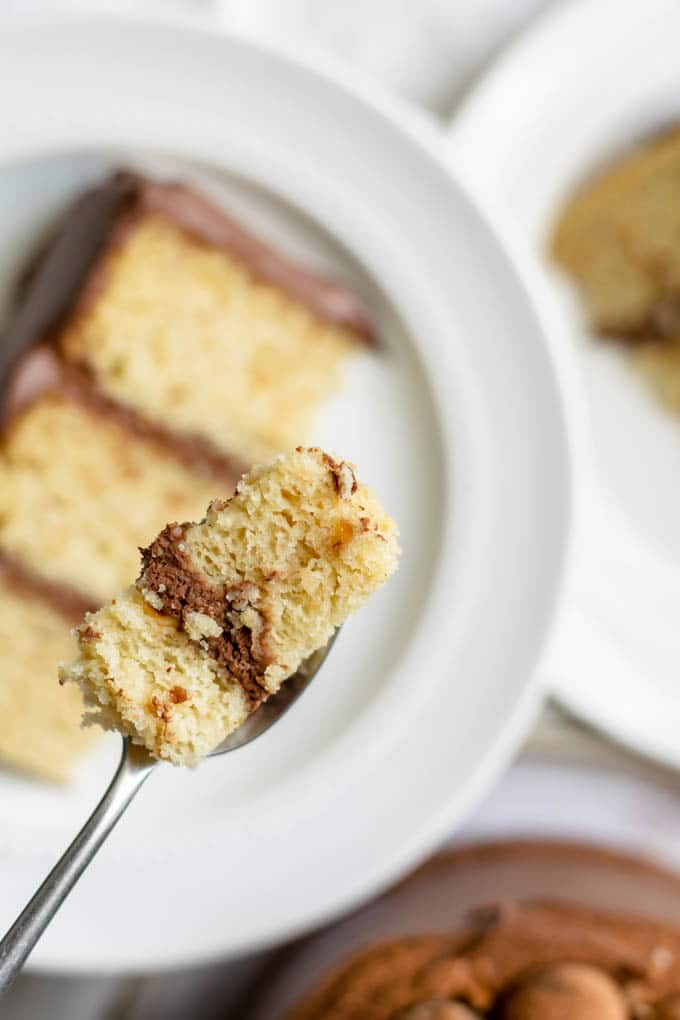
{"points": [[17, 944]]}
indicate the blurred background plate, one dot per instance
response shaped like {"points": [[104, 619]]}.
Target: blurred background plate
{"points": [[428, 691], [586, 81]]}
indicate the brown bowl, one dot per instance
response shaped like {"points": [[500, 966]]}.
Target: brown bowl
{"points": [[438, 897]]}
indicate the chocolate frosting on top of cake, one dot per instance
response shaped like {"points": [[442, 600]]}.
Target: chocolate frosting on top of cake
{"points": [[173, 586], [68, 275], [329, 300]]}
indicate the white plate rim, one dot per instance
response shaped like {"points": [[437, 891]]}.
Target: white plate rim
{"points": [[493, 764]]}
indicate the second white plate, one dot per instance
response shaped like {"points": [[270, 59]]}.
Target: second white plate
{"points": [[586, 81]]}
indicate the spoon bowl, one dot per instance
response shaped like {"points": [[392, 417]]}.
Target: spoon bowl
{"points": [[278, 704]]}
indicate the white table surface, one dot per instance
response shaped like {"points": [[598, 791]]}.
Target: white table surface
{"points": [[428, 52]]}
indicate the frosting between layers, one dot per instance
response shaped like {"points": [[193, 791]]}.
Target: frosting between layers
{"points": [[172, 586], [661, 323], [40, 371], [62, 598]]}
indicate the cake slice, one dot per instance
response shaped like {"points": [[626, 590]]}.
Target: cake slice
{"points": [[225, 610], [616, 237], [99, 482], [40, 729], [197, 324]]}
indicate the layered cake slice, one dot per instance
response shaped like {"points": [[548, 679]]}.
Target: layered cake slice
{"points": [[225, 610], [187, 318], [617, 238], [99, 481], [40, 729]]}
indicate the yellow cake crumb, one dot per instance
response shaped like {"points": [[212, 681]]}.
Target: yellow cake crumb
{"points": [[97, 491], [40, 725]]}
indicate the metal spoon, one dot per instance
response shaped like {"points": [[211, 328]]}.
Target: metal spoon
{"points": [[133, 770]]}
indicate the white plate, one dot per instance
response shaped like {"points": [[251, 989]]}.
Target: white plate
{"points": [[586, 81], [459, 426]]}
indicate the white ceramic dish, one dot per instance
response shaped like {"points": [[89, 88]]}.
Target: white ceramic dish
{"points": [[428, 691], [587, 80]]}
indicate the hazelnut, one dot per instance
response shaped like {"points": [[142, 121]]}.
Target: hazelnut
{"points": [[346, 482], [668, 1008], [564, 991], [438, 1009]]}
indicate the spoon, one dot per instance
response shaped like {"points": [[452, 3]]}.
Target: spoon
{"points": [[134, 769]]}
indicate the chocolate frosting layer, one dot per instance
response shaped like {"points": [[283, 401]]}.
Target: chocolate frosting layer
{"points": [[195, 214], [178, 590], [40, 371], [662, 323], [62, 598]]}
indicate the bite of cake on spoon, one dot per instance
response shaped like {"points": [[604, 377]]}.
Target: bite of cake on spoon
{"points": [[225, 610]]}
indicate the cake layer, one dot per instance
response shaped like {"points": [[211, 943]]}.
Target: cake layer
{"points": [[519, 962], [225, 610], [189, 319], [96, 487], [40, 725]]}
